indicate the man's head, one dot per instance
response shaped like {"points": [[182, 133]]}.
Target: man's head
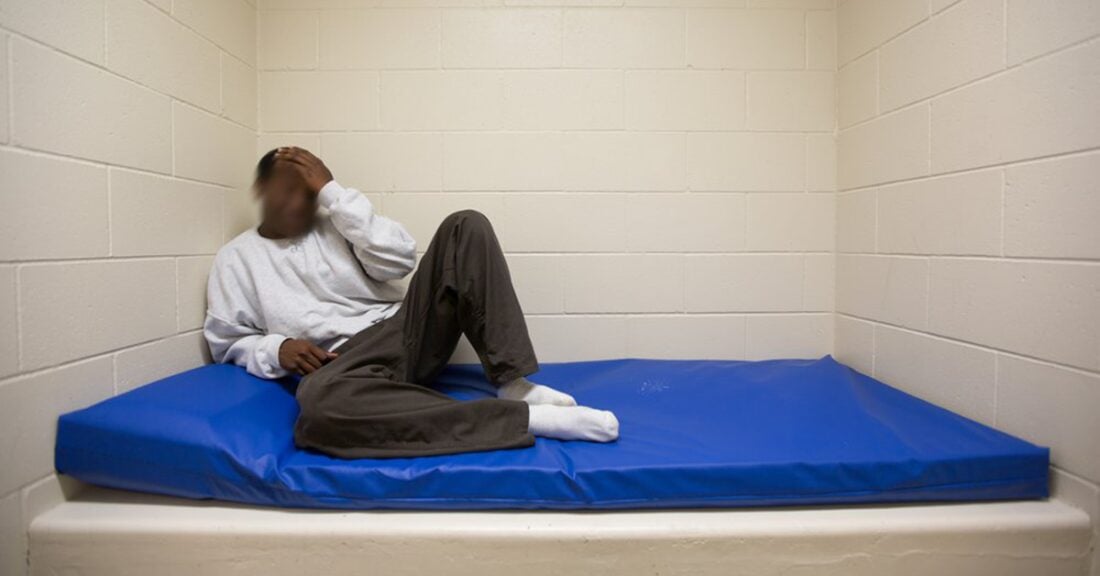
{"points": [[288, 205]]}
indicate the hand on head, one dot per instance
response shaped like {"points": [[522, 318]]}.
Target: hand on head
{"points": [[309, 167], [288, 180]]}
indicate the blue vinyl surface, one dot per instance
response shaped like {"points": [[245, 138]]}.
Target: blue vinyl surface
{"points": [[698, 433]]}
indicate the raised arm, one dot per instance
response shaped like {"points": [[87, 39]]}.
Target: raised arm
{"points": [[384, 247]]}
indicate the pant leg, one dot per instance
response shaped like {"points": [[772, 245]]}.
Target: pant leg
{"points": [[373, 400], [463, 286]]}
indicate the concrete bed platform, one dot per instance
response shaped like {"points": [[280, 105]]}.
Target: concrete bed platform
{"points": [[117, 533]]}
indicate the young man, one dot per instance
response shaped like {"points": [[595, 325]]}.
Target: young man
{"points": [[308, 292]]}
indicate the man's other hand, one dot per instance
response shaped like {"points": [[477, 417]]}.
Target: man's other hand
{"points": [[312, 170], [302, 356]]}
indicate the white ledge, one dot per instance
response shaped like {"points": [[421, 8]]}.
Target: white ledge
{"points": [[105, 532]]}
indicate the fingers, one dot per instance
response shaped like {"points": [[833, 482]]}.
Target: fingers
{"points": [[296, 155], [308, 362], [319, 354]]}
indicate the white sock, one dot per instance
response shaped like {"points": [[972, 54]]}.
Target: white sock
{"points": [[531, 393], [572, 423]]}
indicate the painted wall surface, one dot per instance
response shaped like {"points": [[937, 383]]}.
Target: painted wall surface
{"points": [[126, 131], [660, 173], [968, 266]]}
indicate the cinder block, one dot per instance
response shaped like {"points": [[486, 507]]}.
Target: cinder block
{"points": [[858, 90], [949, 50], [1051, 406], [623, 38], [770, 336], [888, 148], [854, 343], [865, 24], [380, 38], [210, 148], [66, 106], [746, 162], [119, 303], [820, 162], [562, 100], [685, 222], [434, 100], [288, 40], [685, 100], [5, 89], [268, 142], [231, 24], [318, 101], [421, 213], [240, 212], [538, 282], [790, 222], [743, 283], [686, 336], [51, 208], [623, 161], [502, 99], [72, 27], [819, 282], [566, 222], [856, 221], [502, 38], [1051, 208], [956, 376], [1027, 112], [385, 161], [791, 101], [821, 39], [502, 161], [148, 46], [958, 214], [1036, 28], [1045, 310], [746, 39], [9, 323], [29, 407], [191, 276], [883, 288], [154, 215], [802, 4], [141, 365], [576, 337], [623, 283], [239, 95]]}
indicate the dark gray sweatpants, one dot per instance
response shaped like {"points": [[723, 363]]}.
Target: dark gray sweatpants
{"points": [[374, 399]]}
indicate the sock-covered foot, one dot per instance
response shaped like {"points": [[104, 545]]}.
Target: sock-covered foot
{"points": [[572, 423], [531, 393]]}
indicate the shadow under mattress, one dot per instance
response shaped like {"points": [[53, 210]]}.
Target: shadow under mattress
{"points": [[693, 433]]}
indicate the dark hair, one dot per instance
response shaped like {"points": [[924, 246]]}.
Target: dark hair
{"points": [[265, 167]]}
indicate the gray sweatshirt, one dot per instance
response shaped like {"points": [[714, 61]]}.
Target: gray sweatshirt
{"points": [[323, 287]]}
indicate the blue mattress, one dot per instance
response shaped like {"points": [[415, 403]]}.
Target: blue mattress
{"points": [[701, 433]]}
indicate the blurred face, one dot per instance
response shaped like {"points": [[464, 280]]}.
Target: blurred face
{"points": [[288, 206]]}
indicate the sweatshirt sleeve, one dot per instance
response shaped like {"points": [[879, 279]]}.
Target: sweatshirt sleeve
{"points": [[384, 247], [230, 328]]}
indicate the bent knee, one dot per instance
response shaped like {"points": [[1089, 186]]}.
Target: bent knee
{"points": [[468, 217]]}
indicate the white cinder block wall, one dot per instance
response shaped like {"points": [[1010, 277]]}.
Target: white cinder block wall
{"points": [[126, 131], [968, 270], [660, 172]]}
